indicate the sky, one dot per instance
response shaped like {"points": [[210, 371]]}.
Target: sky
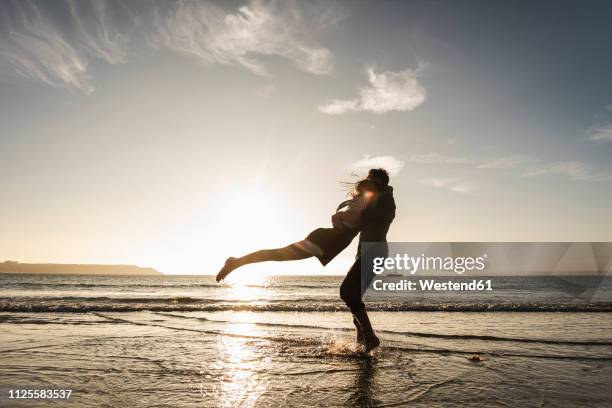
{"points": [[176, 134]]}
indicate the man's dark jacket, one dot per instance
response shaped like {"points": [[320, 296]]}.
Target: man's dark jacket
{"points": [[377, 218]]}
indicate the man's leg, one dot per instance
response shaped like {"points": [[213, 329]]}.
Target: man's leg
{"points": [[351, 293], [350, 289]]}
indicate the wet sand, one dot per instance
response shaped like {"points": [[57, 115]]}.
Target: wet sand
{"points": [[306, 359]]}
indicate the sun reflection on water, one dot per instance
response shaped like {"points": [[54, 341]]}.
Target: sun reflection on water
{"points": [[247, 287], [241, 360]]}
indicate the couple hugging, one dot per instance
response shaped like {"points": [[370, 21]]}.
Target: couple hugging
{"points": [[369, 213]]}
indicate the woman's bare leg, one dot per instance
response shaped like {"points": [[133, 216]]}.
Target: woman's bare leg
{"points": [[291, 252], [288, 253]]}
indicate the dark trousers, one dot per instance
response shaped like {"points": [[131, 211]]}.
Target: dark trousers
{"points": [[356, 283], [351, 289]]}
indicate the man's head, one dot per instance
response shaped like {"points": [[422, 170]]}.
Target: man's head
{"points": [[379, 176]]}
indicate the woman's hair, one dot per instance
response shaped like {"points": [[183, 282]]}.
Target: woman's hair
{"points": [[377, 179], [354, 188], [360, 185]]}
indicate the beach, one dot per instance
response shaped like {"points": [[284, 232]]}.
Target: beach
{"points": [[406, 204], [134, 342]]}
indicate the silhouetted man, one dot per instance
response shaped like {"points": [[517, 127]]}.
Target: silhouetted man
{"points": [[375, 221]]}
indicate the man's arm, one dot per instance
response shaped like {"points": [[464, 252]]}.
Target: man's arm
{"points": [[378, 211]]}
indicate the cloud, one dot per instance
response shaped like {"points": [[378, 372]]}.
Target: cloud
{"points": [[390, 163], [453, 185], [510, 162], [437, 158], [56, 43], [462, 188], [242, 37], [36, 44], [387, 91], [96, 34], [437, 182], [532, 167], [601, 134], [338, 107], [574, 170], [609, 107], [526, 166]]}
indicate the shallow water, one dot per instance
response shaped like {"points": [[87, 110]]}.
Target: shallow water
{"points": [[258, 358], [57, 293]]}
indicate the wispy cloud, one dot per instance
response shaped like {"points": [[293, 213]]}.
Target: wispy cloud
{"points": [[35, 45], [387, 91], [528, 166], [390, 163], [454, 185], [242, 37], [462, 188], [437, 182], [574, 170], [55, 43], [523, 165], [97, 34], [437, 158], [510, 162], [394, 165], [601, 134]]}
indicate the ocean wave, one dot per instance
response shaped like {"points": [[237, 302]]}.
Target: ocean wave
{"points": [[408, 333], [36, 285], [270, 285], [306, 305], [151, 300]]}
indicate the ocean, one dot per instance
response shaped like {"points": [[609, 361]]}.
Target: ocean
{"points": [[159, 341]]}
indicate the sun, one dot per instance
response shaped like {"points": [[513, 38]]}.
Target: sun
{"points": [[246, 219], [250, 215], [235, 219]]}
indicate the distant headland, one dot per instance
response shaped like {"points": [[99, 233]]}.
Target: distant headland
{"points": [[74, 269]]}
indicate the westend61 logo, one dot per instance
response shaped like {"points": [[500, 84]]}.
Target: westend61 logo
{"points": [[575, 269], [414, 264]]}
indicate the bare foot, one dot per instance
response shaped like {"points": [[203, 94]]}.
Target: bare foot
{"points": [[230, 264], [360, 339], [370, 343]]}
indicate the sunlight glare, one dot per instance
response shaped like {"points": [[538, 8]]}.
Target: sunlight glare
{"points": [[247, 287], [248, 218]]}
